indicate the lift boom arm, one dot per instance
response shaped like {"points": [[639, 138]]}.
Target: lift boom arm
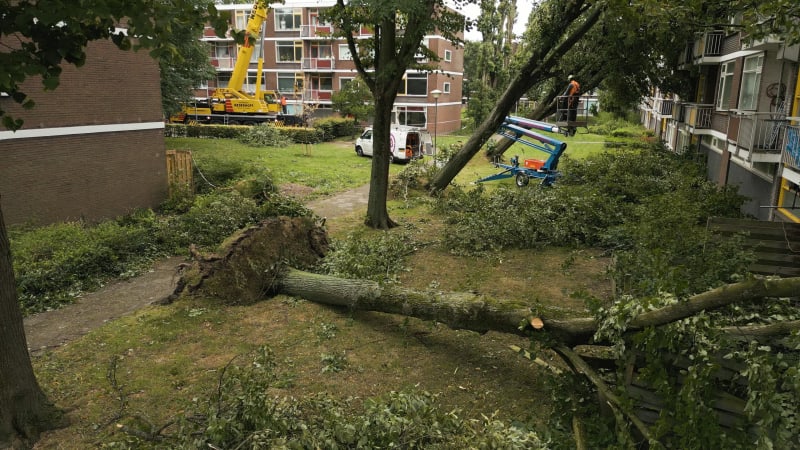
{"points": [[253, 30]]}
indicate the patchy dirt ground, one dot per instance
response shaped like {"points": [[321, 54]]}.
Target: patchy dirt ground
{"points": [[55, 328]]}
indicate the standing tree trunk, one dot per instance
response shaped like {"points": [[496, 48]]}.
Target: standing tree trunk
{"points": [[377, 214], [24, 409], [538, 67]]}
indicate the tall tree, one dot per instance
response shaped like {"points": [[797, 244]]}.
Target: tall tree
{"points": [[397, 28], [185, 68]]}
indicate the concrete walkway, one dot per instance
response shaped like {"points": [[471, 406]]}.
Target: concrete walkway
{"points": [[342, 204]]}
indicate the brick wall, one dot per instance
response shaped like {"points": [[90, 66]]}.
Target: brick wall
{"points": [[90, 175]]}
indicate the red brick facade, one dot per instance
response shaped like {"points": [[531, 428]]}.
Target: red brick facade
{"points": [[91, 149]]}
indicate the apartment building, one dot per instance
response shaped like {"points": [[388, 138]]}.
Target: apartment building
{"points": [[302, 62], [743, 118]]}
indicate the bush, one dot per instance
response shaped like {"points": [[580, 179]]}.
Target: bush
{"points": [[53, 264], [263, 135], [304, 135], [212, 173], [212, 218], [336, 127], [369, 256]]}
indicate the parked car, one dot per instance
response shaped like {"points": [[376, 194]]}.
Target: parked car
{"points": [[407, 143]]}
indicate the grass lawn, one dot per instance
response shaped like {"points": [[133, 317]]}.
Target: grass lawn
{"points": [[143, 370]]}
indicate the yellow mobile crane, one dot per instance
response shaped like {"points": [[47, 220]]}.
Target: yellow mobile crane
{"points": [[231, 105]]}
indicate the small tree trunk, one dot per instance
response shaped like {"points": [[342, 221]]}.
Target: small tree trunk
{"points": [[24, 409]]}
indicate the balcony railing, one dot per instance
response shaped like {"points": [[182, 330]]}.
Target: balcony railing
{"points": [[316, 95], [706, 45], [698, 116], [762, 132], [318, 63], [665, 107], [225, 62], [791, 153], [321, 31]]}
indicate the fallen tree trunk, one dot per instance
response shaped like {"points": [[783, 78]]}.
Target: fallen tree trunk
{"points": [[458, 310]]}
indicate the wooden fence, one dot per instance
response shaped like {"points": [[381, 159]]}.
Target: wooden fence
{"points": [[179, 171], [776, 244]]}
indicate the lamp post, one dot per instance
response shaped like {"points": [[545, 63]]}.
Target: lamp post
{"points": [[435, 93]]}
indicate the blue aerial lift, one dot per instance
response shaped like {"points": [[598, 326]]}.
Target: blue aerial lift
{"points": [[518, 129]]}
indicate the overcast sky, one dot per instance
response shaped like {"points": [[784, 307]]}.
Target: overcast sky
{"points": [[523, 11]]}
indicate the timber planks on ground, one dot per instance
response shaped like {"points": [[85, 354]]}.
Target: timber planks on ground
{"points": [[776, 244]]}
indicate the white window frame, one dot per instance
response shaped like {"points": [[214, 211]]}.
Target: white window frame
{"points": [[446, 87], [448, 55], [344, 80], [725, 85], [418, 76], [751, 82], [344, 53], [297, 19]]}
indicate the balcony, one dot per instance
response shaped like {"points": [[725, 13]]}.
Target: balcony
{"points": [[316, 31], [665, 107], [317, 95], [324, 64], [223, 62], [791, 150], [706, 49], [698, 116], [761, 136]]}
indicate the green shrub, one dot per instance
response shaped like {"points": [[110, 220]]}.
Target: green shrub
{"points": [[336, 127], [263, 135], [304, 135], [53, 264], [212, 173], [212, 218], [376, 256]]}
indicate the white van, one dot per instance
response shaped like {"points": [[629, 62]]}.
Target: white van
{"points": [[407, 143]]}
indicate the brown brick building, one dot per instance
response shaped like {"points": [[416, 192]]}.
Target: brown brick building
{"points": [[91, 149], [303, 63]]}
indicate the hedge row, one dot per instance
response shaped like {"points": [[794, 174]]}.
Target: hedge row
{"points": [[324, 130]]}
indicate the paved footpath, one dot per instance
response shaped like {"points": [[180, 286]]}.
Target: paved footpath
{"points": [[119, 298]]}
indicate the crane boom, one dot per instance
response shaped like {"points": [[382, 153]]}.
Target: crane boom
{"points": [[253, 29]]}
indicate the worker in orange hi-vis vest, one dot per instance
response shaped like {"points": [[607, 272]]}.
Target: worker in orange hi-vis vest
{"points": [[572, 92], [283, 104]]}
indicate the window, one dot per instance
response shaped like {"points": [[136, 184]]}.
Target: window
{"points": [[344, 53], [289, 81], [288, 19], [222, 51], [415, 84], [751, 79], [343, 82], [725, 81], [289, 51], [321, 82], [412, 116], [223, 78], [240, 18], [446, 88], [322, 51], [448, 55]]}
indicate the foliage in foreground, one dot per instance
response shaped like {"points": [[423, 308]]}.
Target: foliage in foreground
{"points": [[363, 255], [245, 413]]}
